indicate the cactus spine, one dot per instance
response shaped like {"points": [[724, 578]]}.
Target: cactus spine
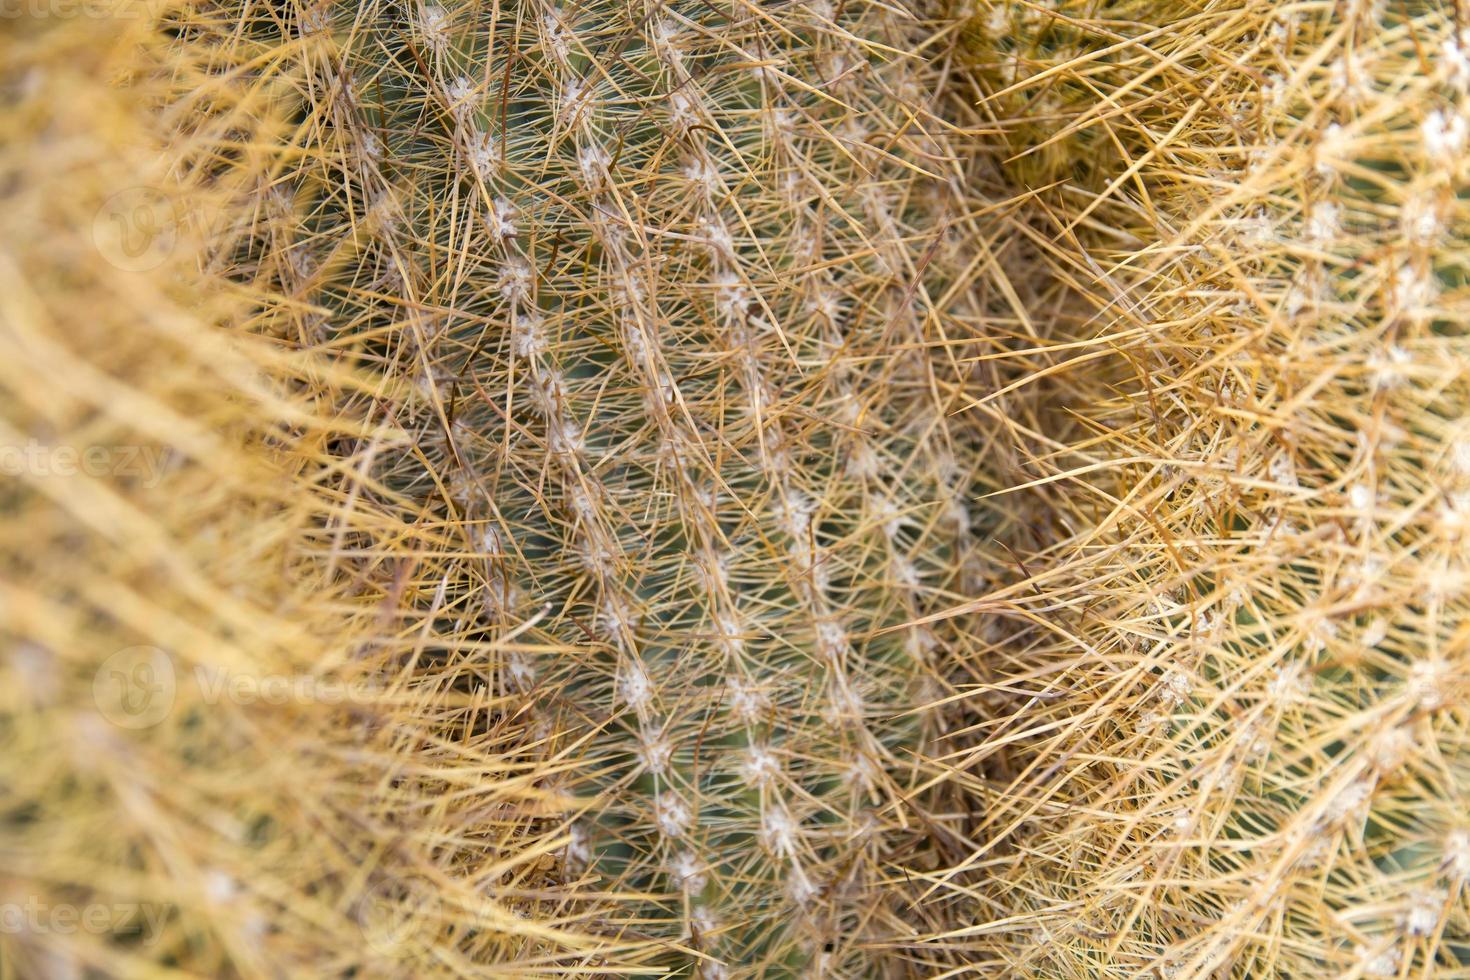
{"points": [[669, 283], [1251, 573]]}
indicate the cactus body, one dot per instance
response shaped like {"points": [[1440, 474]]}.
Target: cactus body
{"points": [[1255, 525], [669, 282]]}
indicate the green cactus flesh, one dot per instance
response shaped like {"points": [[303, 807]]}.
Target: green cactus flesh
{"points": [[673, 281]]}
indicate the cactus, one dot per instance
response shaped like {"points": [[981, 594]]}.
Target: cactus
{"points": [[1247, 431], [182, 532], [610, 386], [672, 295]]}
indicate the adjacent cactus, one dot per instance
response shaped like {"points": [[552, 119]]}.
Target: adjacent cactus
{"points": [[228, 736], [1228, 734], [672, 286]]}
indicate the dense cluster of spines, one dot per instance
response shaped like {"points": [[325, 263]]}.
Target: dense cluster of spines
{"points": [[267, 794], [632, 371], [655, 277], [1253, 571]]}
